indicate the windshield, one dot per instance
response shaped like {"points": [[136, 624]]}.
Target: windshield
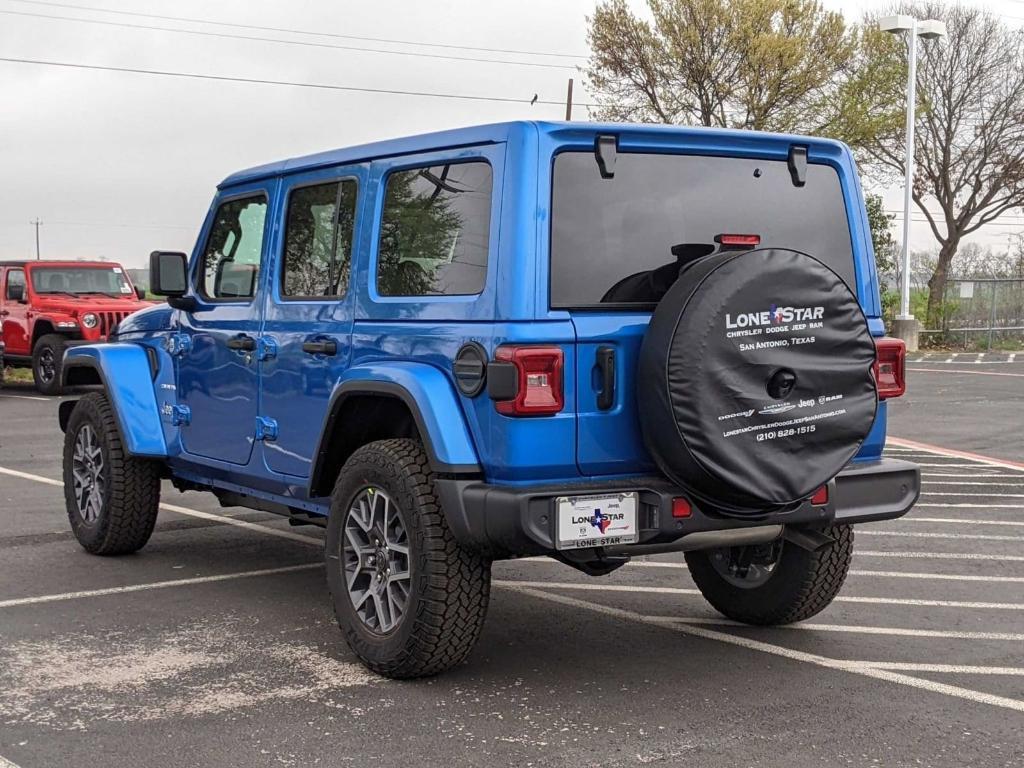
{"points": [[110, 281], [621, 241]]}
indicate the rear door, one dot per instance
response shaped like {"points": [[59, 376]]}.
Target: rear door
{"points": [[618, 243], [308, 316]]}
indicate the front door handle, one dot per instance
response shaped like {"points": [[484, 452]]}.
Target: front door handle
{"points": [[4, 313], [321, 347], [242, 343]]}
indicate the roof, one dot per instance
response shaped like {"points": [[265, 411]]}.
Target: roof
{"points": [[495, 133], [58, 263]]}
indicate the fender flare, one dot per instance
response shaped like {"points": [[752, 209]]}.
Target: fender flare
{"points": [[429, 396], [126, 373]]}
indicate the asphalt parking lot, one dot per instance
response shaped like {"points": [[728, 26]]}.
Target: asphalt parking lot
{"points": [[216, 646]]}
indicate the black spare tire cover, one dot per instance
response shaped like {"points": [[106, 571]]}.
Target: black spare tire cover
{"points": [[755, 382]]}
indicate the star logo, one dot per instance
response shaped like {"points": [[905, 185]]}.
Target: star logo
{"points": [[599, 521]]}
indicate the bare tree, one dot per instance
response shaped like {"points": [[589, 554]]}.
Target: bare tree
{"points": [[970, 135]]}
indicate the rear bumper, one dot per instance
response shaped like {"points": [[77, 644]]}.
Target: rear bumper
{"points": [[513, 520]]}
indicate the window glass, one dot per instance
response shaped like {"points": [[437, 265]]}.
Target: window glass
{"points": [[109, 281], [623, 240], [435, 231], [318, 240], [15, 278], [231, 261]]}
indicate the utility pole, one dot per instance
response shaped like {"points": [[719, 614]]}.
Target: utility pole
{"points": [[37, 224], [568, 102]]}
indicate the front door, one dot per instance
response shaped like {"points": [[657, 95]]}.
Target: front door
{"points": [[218, 368], [308, 313], [14, 313]]}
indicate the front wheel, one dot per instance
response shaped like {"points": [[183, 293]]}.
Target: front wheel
{"points": [[409, 598], [47, 360], [112, 498], [774, 583]]}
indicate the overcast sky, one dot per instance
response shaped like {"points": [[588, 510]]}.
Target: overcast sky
{"points": [[119, 164]]}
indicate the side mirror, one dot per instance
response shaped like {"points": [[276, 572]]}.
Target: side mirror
{"points": [[168, 273], [16, 292], [139, 293]]}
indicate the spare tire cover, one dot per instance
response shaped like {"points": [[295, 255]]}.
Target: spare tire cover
{"points": [[755, 383]]}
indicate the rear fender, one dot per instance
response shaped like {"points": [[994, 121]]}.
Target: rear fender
{"points": [[125, 372], [430, 398]]}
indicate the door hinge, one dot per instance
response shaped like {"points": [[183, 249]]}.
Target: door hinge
{"points": [[178, 344], [181, 415], [266, 428], [266, 348]]}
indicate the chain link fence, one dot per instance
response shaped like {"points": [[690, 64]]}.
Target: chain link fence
{"points": [[980, 314]]}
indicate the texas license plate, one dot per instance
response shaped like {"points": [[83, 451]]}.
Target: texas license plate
{"points": [[596, 521]]}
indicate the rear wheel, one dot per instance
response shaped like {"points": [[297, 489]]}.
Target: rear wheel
{"points": [[409, 598], [47, 359], [112, 498], [775, 583]]}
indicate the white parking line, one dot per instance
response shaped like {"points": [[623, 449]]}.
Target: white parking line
{"points": [[913, 519], [941, 556], [973, 482], [186, 511], [778, 650], [930, 535], [155, 585], [969, 474], [840, 599], [967, 505], [23, 397], [938, 450], [972, 373], [950, 464], [5, 763], [954, 669]]}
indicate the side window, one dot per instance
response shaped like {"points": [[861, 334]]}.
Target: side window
{"points": [[435, 231], [318, 240], [231, 260], [15, 284]]}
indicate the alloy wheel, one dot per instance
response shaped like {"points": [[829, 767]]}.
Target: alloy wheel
{"points": [[87, 470]]}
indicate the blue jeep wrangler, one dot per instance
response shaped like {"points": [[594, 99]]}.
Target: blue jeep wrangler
{"points": [[579, 340]]}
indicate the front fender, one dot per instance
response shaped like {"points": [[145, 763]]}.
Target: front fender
{"points": [[431, 399], [126, 373]]}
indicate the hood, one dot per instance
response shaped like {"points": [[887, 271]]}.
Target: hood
{"points": [[155, 317], [87, 303]]}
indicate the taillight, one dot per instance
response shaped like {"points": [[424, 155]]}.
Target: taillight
{"points": [[741, 241], [538, 389], [890, 367]]}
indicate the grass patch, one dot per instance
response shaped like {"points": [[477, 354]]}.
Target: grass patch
{"points": [[18, 375]]}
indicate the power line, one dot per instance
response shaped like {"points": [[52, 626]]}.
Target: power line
{"points": [[281, 41], [259, 81], [236, 25]]}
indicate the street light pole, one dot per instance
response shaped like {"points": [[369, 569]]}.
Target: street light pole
{"points": [[908, 179], [929, 29]]}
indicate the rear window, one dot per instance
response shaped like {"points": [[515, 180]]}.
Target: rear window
{"points": [[610, 237]]}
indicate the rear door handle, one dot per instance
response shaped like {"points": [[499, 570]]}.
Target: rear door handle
{"points": [[321, 347], [606, 372], [242, 343]]}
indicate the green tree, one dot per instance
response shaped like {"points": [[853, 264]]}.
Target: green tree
{"points": [[884, 244], [776, 65]]}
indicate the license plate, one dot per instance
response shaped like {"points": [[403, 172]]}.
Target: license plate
{"points": [[596, 521]]}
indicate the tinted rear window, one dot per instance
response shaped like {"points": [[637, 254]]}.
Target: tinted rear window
{"points": [[606, 231]]}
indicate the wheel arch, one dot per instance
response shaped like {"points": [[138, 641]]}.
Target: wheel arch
{"points": [[130, 391], [394, 400]]}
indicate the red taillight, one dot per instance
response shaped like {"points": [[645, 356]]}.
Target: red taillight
{"points": [[820, 497], [539, 378], [890, 367], [681, 507], [747, 241]]}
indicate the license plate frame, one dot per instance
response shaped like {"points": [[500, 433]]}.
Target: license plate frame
{"points": [[596, 520]]}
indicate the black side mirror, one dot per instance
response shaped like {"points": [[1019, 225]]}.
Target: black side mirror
{"points": [[139, 293], [168, 276]]}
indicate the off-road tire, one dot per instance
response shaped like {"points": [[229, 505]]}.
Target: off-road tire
{"points": [[131, 496], [50, 344], [802, 584], [450, 585]]}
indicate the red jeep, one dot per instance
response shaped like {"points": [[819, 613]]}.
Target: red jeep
{"points": [[46, 306]]}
